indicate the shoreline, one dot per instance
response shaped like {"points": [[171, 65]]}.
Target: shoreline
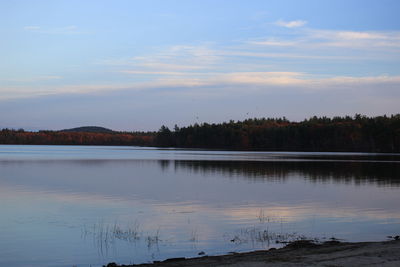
{"points": [[300, 253]]}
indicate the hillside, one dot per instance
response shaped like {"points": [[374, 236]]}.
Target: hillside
{"points": [[89, 129]]}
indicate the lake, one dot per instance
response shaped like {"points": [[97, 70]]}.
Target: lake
{"points": [[88, 206]]}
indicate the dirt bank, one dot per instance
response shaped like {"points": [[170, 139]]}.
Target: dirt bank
{"points": [[300, 254]]}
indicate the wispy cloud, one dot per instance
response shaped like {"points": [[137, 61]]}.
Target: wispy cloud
{"points": [[177, 57], [315, 38], [238, 83], [71, 29], [255, 63], [291, 24], [158, 73], [274, 42], [353, 39], [306, 82], [176, 60], [31, 28], [299, 81], [294, 55], [32, 79], [14, 92]]}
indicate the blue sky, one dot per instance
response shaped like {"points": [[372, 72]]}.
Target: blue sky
{"points": [[135, 65]]}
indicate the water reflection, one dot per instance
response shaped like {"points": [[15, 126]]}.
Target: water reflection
{"points": [[380, 173], [153, 205]]}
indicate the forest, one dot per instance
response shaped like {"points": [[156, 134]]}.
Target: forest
{"points": [[20, 136], [338, 134]]}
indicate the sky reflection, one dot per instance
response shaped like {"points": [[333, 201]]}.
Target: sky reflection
{"points": [[181, 207]]}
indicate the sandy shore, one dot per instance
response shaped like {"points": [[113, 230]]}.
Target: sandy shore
{"points": [[300, 254]]}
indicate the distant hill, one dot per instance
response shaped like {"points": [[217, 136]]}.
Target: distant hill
{"points": [[89, 129]]}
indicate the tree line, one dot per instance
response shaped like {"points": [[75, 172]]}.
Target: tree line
{"points": [[8, 136], [358, 133]]}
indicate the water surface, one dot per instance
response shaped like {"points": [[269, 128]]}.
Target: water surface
{"points": [[87, 206]]}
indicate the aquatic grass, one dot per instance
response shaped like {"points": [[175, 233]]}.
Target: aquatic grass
{"points": [[262, 217], [104, 235], [194, 236], [153, 239], [263, 236], [131, 233], [265, 233]]}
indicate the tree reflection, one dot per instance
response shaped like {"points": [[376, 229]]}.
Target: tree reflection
{"points": [[357, 172]]}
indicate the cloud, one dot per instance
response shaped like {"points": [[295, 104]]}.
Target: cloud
{"points": [[353, 39], [359, 81], [291, 24], [177, 58], [274, 42], [31, 28], [261, 64], [251, 54], [202, 62], [185, 55], [351, 35], [258, 78], [14, 92], [168, 73], [32, 79], [221, 82], [295, 81], [50, 77], [170, 66], [315, 38], [71, 29]]}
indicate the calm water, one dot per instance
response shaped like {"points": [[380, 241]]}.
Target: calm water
{"points": [[87, 206]]}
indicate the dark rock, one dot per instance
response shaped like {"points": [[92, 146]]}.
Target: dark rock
{"points": [[302, 244], [175, 259]]}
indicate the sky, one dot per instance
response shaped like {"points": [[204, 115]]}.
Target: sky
{"points": [[137, 65]]}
